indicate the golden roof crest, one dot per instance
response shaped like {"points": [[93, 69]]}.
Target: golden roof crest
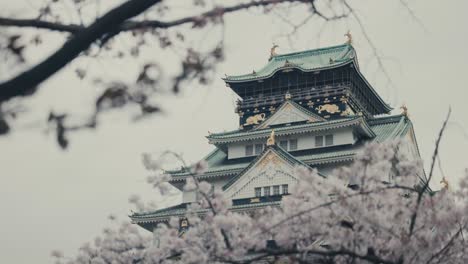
{"points": [[271, 139], [350, 37], [273, 51]]}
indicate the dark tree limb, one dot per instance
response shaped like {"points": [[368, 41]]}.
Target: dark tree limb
{"points": [[112, 23], [262, 254], [41, 24], [425, 186], [136, 25], [26, 83]]}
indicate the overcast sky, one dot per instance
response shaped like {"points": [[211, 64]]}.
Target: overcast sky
{"points": [[54, 199]]}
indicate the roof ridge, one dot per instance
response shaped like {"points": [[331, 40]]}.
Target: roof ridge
{"points": [[289, 155], [342, 54], [329, 48], [260, 131], [385, 119]]}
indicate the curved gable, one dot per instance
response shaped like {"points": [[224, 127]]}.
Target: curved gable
{"points": [[290, 112]]}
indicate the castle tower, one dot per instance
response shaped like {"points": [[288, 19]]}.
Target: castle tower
{"points": [[312, 108]]}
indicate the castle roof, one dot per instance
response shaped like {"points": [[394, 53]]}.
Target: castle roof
{"points": [[308, 60], [243, 135], [384, 128], [146, 219], [278, 151]]}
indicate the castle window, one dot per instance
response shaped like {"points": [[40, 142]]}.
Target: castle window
{"points": [[258, 192], [258, 148], [293, 144], [328, 140], [266, 191], [276, 190], [284, 144], [319, 141], [249, 150], [285, 188]]}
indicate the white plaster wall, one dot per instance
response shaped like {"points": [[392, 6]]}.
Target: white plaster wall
{"points": [[342, 136], [237, 150], [262, 180], [262, 176]]}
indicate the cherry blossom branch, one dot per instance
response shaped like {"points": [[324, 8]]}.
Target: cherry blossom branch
{"points": [[444, 248], [134, 25], [303, 212], [111, 23], [26, 83], [205, 196], [333, 253]]}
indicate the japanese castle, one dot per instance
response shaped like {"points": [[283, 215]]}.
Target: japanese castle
{"points": [[313, 108]]}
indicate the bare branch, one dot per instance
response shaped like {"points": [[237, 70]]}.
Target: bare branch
{"points": [[26, 82], [109, 24], [41, 24], [426, 183]]}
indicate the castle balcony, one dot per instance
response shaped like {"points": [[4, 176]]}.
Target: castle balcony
{"points": [[298, 93]]}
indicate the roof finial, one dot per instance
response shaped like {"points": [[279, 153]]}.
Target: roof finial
{"points": [[287, 96], [350, 37], [404, 110], [273, 51], [445, 183], [271, 139]]}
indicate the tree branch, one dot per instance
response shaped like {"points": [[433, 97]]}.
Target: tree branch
{"points": [[112, 22], [329, 253], [426, 183], [26, 82], [444, 248], [41, 24], [134, 25]]}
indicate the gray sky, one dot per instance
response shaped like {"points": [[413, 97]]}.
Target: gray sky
{"points": [[53, 199]]}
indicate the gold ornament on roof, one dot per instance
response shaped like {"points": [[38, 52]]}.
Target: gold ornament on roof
{"points": [[287, 96], [273, 51], [271, 139], [404, 110], [330, 108], [255, 119], [350, 37], [445, 183], [347, 112]]}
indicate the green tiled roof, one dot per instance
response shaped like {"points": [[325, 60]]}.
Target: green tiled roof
{"points": [[180, 210], [390, 127], [308, 60], [384, 128], [241, 135]]}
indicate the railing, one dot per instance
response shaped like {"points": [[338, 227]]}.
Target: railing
{"points": [[303, 94]]}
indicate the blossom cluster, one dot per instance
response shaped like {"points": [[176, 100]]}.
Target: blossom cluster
{"points": [[379, 209]]}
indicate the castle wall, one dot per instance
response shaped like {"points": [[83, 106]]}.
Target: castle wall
{"points": [[342, 136]]}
